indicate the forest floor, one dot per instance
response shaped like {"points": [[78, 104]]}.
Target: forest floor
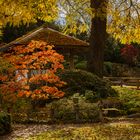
{"points": [[115, 129]]}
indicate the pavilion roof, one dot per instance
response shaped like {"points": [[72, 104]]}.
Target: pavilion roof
{"points": [[49, 35]]}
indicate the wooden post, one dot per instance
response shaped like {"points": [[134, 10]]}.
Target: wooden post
{"points": [[138, 84], [100, 105], [29, 112], [52, 114], [76, 108], [71, 60], [121, 82]]}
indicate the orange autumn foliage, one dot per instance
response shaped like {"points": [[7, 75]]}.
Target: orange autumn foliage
{"points": [[7, 84], [35, 67]]}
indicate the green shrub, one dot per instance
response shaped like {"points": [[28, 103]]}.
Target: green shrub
{"points": [[121, 70], [79, 81], [81, 65], [66, 110], [63, 109], [112, 102], [107, 68], [112, 50], [90, 95], [89, 112], [5, 123], [130, 99]]}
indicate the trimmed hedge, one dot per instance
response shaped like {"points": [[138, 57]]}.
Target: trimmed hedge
{"points": [[5, 123], [79, 81]]}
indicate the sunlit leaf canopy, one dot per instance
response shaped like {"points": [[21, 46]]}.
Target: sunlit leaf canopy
{"points": [[123, 15], [15, 11]]}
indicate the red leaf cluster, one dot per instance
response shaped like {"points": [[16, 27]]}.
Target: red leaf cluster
{"points": [[129, 53]]}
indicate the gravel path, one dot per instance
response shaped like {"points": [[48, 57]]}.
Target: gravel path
{"points": [[25, 131]]}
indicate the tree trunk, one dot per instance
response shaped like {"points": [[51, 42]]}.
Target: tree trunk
{"points": [[97, 37]]}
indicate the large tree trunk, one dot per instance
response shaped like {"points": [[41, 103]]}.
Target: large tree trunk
{"points": [[97, 37]]}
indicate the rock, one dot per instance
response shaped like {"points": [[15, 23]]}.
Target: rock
{"points": [[111, 112], [136, 115]]}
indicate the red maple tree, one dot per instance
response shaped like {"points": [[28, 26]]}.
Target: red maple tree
{"points": [[32, 73], [130, 54]]}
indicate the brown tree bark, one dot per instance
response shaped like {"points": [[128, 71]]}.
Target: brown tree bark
{"points": [[97, 37]]}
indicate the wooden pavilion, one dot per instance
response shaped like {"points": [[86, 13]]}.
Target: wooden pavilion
{"points": [[64, 44]]}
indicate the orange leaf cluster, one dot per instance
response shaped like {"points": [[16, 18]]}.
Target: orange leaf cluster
{"points": [[36, 65]]}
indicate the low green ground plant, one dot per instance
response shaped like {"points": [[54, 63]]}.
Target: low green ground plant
{"points": [[130, 99], [74, 109]]}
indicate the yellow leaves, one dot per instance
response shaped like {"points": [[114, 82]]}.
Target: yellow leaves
{"points": [[126, 34], [83, 28], [28, 11], [124, 24]]}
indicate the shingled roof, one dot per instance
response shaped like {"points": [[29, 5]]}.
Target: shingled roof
{"points": [[49, 35]]}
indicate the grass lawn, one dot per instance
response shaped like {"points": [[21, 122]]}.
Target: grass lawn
{"points": [[108, 131], [132, 89]]}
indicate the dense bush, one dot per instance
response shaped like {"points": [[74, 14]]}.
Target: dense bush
{"points": [[62, 110], [130, 99], [112, 50], [79, 81], [113, 69], [81, 65], [122, 70], [67, 110], [108, 66], [5, 123]]}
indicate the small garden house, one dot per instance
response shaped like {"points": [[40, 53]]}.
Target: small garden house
{"points": [[64, 44]]}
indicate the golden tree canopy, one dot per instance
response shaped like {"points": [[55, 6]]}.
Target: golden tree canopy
{"points": [[123, 15]]}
